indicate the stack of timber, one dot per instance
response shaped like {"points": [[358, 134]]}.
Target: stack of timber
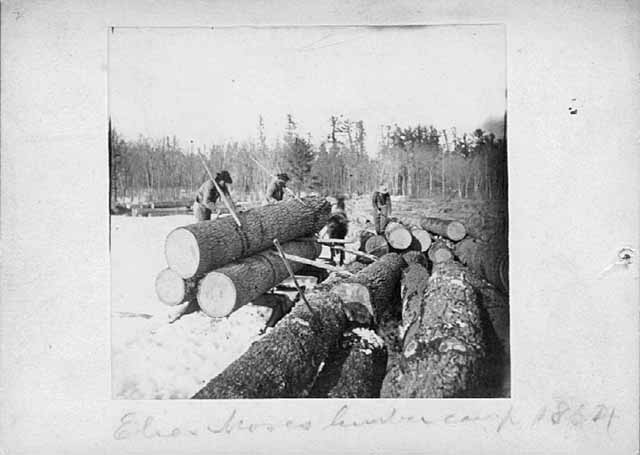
{"points": [[488, 260], [201, 247], [397, 237], [223, 266], [286, 361], [355, 368], [443, 349]]}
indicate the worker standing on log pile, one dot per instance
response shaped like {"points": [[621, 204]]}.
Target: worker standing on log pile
{"points": [[381, 208], [275, 192], [207, 196]]}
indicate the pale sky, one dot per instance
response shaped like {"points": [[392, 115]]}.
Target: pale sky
{"points": [[210, 85]]}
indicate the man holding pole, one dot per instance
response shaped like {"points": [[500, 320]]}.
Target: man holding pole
{"points": [[208, 195]]}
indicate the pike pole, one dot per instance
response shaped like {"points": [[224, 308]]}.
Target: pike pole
{"points": [[223, 196]]}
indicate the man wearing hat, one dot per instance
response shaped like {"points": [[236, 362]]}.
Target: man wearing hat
{"points": [[275, 192], [381, 208], [207, 196]]}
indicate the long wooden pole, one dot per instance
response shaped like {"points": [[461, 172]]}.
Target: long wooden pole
{"points": [[293, 276], [357, 253], [318, 264], [220, 192]]}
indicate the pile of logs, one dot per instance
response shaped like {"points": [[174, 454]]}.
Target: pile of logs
{"points": [[222, 265], [398, 237], [450, 327], [420, 314], [442, 240]]}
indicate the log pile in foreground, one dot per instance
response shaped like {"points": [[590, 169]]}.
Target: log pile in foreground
{"points": [[488, 260], [354, 369], [198, 248], [226, 289], [285, 362], [443, 355]]}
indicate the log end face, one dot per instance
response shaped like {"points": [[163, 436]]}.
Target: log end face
{"points": [[182, 252], [423, 237], [398, 236], [456, 231], [442, 255], [170, 287], [377, 245], [217, 295]]}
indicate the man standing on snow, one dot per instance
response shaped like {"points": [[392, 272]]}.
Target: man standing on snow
{"points": [[381, 208], [207, 196]]}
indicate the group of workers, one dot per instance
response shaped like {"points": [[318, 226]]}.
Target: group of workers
{"points": [[208, 195]]}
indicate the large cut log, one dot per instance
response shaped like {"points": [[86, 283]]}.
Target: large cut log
{"points": [[488, 260], [363, 236], [443, 356], [496, 305], [439, 252], [201, 247], [398, 236], [413, 285], [451, 229], [285, 362], [226, 289], [382, 278], [355, 368], [376, 245], [172, 289]]}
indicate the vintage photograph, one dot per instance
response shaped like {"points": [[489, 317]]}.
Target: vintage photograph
{"points": [[308, 212]]}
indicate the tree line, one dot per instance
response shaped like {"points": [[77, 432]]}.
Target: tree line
{"points": [[416, 161]]}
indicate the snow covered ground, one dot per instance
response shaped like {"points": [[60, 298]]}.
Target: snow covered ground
{"points": [[151, 359]]}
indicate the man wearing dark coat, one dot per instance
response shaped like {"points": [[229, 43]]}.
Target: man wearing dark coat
{"points": [[381, 202], [275, 192], [207, 196]]}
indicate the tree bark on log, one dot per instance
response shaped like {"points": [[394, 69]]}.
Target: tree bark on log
{"points": [[382, 278], [355, 266], [173, 290], [451, 229], [398, 236], [226, 289], [490, 261], [443, 357], [439, 252], [354, 369], [413, 285], [285, 362], [414, 257], [201, 247], [496, 304]]}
